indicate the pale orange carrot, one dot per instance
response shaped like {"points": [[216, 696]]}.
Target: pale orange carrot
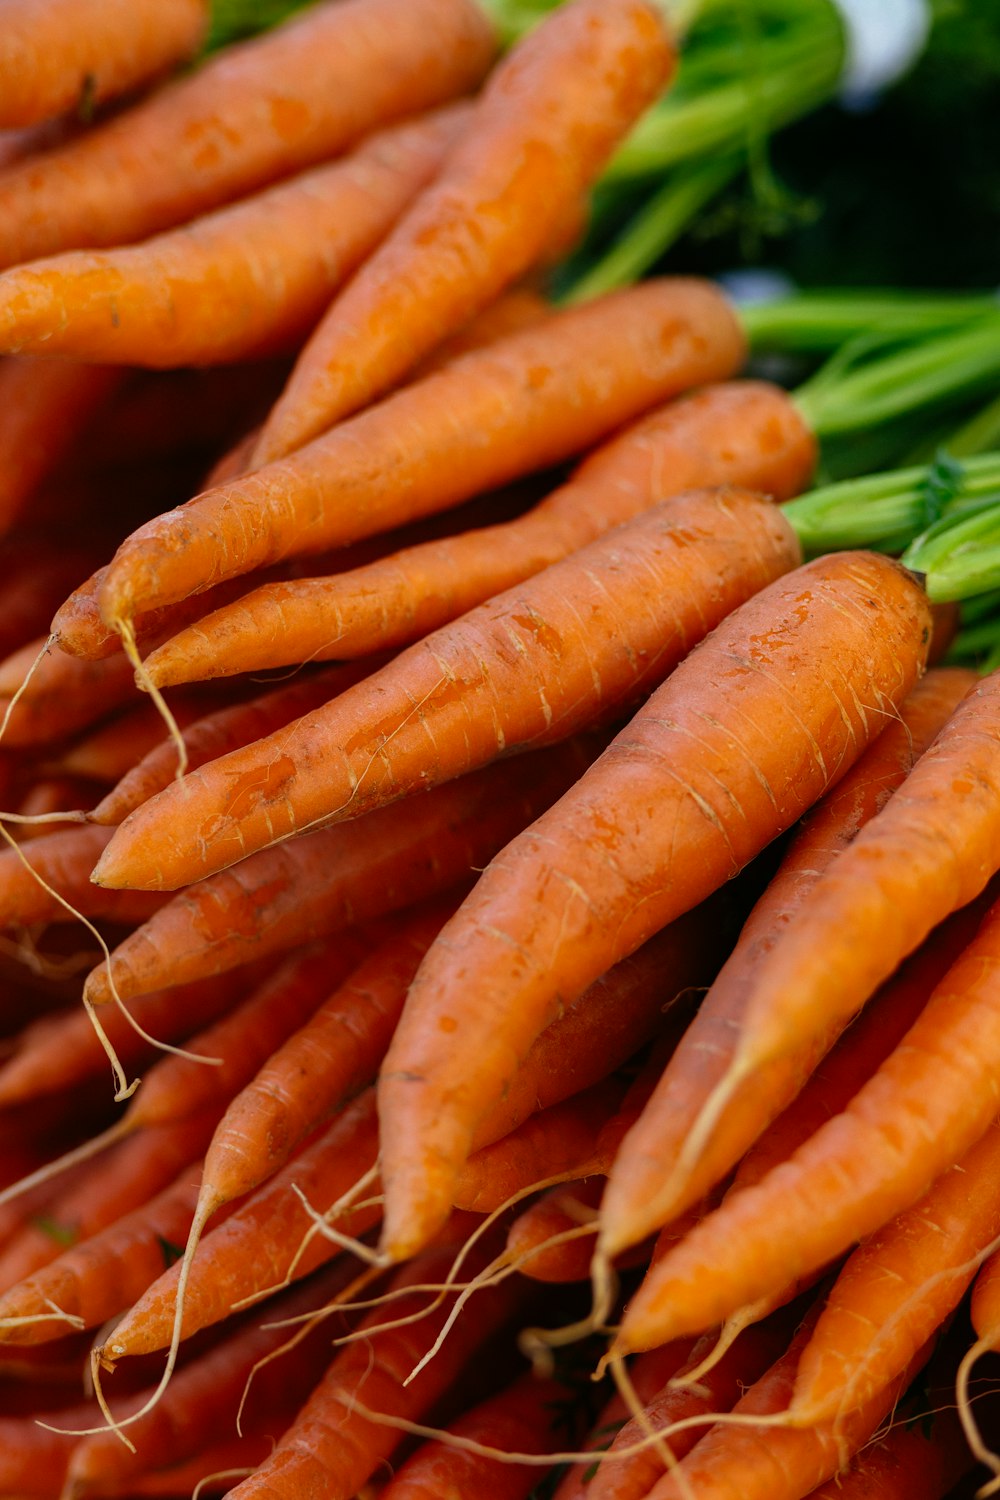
{"points": [[547, 121], [741, 739], [253, 113], [578, 643], [523, 402], [245, 281], [743, 433]]}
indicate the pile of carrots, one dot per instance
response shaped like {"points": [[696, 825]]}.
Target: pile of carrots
{"points": [[554, 1021]]}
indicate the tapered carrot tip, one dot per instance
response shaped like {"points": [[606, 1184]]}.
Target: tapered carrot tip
{"points": [[427, 1212], [97, 989]]}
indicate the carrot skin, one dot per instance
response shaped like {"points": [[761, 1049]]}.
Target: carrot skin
{"points": [[575, 644], [527, 401], [236, 284], [254, 113], [64, 860], [52, 59], [548, 119], [400, 598], [632, 847]]}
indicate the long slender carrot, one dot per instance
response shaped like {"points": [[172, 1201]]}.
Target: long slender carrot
{"points": [[218, 733], [64, 861], [526, 401], [314, 886], [641, 1195], [547, 121], [112, 750], [253, 113], [34, 578], [741, 739], [239, 283], [576, 643], [922, 1457], [65, 693], [743, 433], [33, 1461], [44, 406], [53, 59], [925, 1107], [531, 1236]]}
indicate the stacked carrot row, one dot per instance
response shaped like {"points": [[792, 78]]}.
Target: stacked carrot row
{"points": [[464, 988]]}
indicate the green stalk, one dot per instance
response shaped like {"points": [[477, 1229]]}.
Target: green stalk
{"points": [[960, 556], [979, 433], [818, 321]]}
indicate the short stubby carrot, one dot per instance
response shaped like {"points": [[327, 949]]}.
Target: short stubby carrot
{"points": [[744, 433], [547, 121], [577, 643], [253, 113], [744, 736], [521, 403], [927, 1105], [235, 284], [312, 887], [54, 57], [642, 1195]]}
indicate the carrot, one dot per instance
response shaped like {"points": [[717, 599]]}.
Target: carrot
{"points": [[44, 406], [34, 578], [926, 1106], [400, 598], [253, 113], [548, 119], [533, 665], [318, 885], [64, 694], [33, 1461], [520, 1419], [220, 732], [640, 1194], [248, 279], [531, 1236], [930, 851], [64, 861], [53, 59], [526, 401], [632, 847], [112, 750], [921, 1457]]}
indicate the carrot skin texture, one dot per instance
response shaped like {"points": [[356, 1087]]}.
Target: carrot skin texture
{"points": [[64, 861], [574, 644], [65, 694], [745, 433], [236, 284], [252, 114], [928, 1104], [915, 1460], [548, 119], [638, 1198], [526, 401], [311, 887], [585, 885], [50, 62]]}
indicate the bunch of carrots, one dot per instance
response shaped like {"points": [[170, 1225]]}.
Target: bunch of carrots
{"points": [[554, 1021]]}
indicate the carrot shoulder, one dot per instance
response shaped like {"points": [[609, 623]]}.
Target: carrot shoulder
{"points": [[548, 119], [523, 402], [745, 734], [253, 113], [574, 644]]}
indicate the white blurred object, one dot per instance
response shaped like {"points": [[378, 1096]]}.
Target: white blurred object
{"points": [[748, 286], [884, 39]]}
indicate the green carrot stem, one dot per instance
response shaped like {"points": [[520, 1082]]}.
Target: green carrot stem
{"points": [[816, 321], [960, 555]]}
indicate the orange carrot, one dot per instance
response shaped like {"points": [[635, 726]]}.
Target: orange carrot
{"points": [[253, 113], [34, 577], [53, 58], [318, 885], [521, 403], [33, 1461], [65, 694], [925, 1107], [400, 598], [753, 733], [112, 750], [241, 282], [529, 1240], [921, 1457], [641, 1196], [64, 861], [547, 121], [222, 731], [44, 406], [578, 642]]}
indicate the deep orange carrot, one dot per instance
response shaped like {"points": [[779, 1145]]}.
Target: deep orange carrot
{"points": [[64, 861], [44, 406], [744, 433], [577, 643], [547, 1219], [112, 750], [547, 121], [745, 734], [222, 731], [315, 886], [641, 1195], [523, 402], [921, 1457], [65, 694], [34, 577], [925, 1107], [253, 113], [33, 1461], [244, 281], [53, 58]]}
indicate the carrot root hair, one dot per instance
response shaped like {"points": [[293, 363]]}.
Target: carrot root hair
{"points": [[126, 631]]}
